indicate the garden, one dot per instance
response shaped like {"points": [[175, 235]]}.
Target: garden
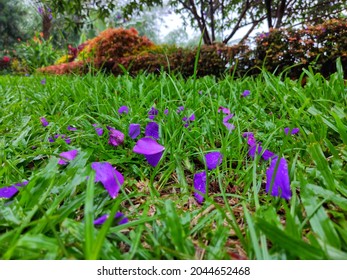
{"points": [[119, 148]]}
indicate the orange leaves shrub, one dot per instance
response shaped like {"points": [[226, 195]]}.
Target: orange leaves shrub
{"points": [[115, 43]]}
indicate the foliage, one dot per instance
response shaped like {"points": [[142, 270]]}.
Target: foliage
{"points": [[52, 216], [317, 47], [12, 23], [37, 52], [114, 43]]}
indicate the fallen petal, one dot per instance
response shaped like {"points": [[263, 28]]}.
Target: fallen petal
{"points": [[152, 129], [116, 137], [134, 130], [278, 183], [147, 146], [213, 159], [67, 156], [109, 177], [200, 186], [123, 109], [44, 121]]}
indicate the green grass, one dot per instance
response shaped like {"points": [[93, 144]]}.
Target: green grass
{"points": [[52, 217]]}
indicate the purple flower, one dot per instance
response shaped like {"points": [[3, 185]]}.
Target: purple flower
{"points": [[99, 130], [213, 159], [166, 111], [134, 130], [256, 147], [180, 109], [293, 131], [200, 186], [116, 137], [152, 113], [119, 217], [62, 136], [43, 81], [109, 177], [40, 10], [277, 183], [200, 91], [69, 155], [123, 109], [44, 122], [71, 128], [8, 192], [150, 149], [224, 110], [229, 126], [187, 120], [152, 129], [246, 93]]}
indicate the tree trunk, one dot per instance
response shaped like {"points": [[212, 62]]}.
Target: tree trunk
{"points": [[46, 25]]}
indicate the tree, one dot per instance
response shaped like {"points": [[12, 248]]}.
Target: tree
{"points": [[280, 13], [12, 22], [226, 17]]}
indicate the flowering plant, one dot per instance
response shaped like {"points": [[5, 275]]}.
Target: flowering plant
{"points": [[37, 52]]}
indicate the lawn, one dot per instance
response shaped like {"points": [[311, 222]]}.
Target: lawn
{"points": [[54, 213]]}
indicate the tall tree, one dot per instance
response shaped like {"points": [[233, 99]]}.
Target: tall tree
{"points": [[284, 13], [12, 18]]}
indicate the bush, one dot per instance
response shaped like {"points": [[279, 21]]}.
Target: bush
{"points": [[36, 52], [280, 50], [115, 43]]}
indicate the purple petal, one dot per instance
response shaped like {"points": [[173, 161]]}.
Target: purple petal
{"points": [[154, 159], [247, 134], [43, 81], [229, 126], [224, 110], [100, 220], [71, 128], [200, 186], [152, 129], [116, 137], [246, 93], [192, 117], [152, 113], [119, 216], [69, 155], [8, 192], [281, 183], [134, 130], [166, 111], [109, 177], [44, 122], [213, 159], [50, 139], [122, 219], [99, 130], [267, 155], [123, 109], [180, 109], [148, 146], [293, 131], [228, 117]]}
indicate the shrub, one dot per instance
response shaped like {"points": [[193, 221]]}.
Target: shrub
{"points": [[316, 46], [37, 52], [280, 50], [115, 43]]}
